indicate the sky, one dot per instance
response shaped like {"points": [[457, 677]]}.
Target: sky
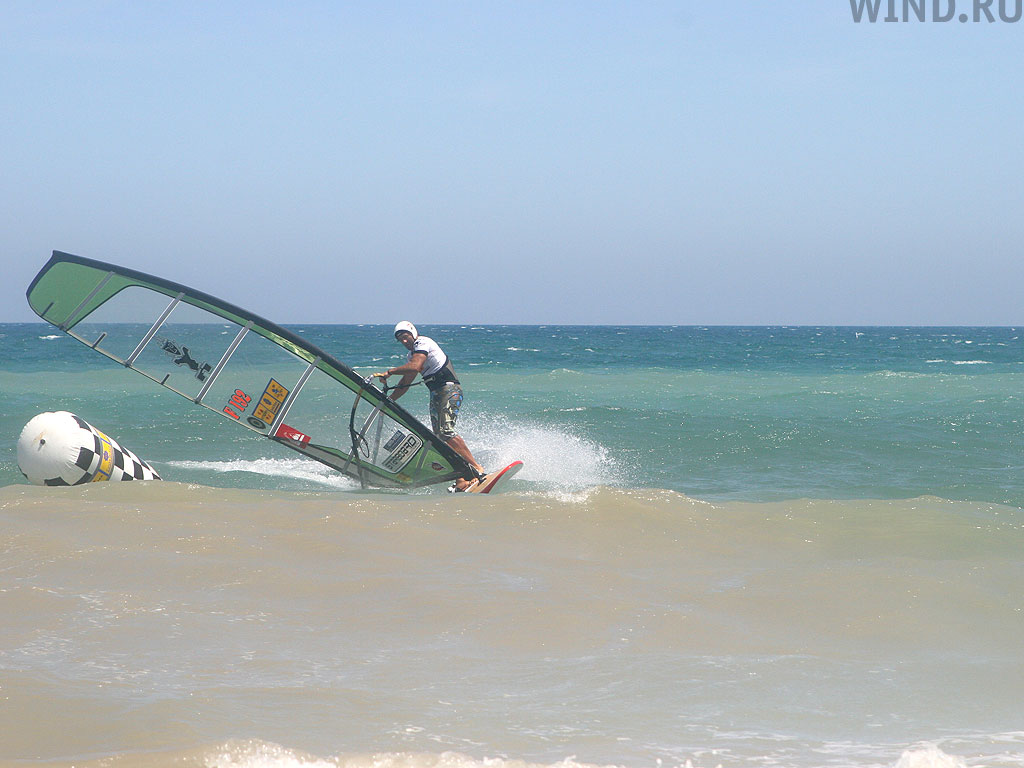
{"points": [[494, 162]]}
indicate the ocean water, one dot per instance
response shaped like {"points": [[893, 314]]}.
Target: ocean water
{"points": [[729, 547]]}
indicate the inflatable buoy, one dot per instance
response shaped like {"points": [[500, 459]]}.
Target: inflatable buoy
{"points": [[59, 448]]}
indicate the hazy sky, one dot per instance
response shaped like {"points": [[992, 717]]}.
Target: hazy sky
{"points": [[522, 162]]}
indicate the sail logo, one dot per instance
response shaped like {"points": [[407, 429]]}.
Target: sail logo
{"points": [[182, 356], [941, 11], [270, 402], [289, 433], [404, 451]]}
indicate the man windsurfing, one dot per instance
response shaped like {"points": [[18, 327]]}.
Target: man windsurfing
{"points": [[428, 359]]}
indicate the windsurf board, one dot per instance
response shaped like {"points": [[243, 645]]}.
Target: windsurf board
{"points": [[495, 479]]}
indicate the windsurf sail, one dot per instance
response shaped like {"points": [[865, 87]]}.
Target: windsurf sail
{"points": [[247, 369]]}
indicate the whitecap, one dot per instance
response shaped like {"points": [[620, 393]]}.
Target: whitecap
{"points": [[298, 469], [929, 757]]}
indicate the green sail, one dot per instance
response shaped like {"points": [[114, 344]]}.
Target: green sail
{"points": [[245, 368]]}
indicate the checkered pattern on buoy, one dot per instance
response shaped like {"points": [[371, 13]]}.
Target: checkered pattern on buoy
{"points": [[62, 449], [106, 460]]}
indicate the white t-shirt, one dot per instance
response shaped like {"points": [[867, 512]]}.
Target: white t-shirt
{"points": [[435, 365], [436, 358]]}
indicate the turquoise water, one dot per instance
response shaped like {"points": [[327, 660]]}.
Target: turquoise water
{"points": [[716, 413]]}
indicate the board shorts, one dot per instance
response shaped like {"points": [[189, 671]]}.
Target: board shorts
{"points": [[444, 409]]}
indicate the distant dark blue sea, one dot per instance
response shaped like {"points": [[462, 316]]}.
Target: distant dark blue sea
{"points": [[738, 547]]}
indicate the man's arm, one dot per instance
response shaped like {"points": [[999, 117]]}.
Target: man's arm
{"points": [[403, 386], [407, 372]]}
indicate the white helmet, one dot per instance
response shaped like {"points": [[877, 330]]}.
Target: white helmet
{"points": [[405, 325]]}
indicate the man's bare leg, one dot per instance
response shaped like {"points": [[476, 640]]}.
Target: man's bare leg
{"points": [[459, 446]]}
